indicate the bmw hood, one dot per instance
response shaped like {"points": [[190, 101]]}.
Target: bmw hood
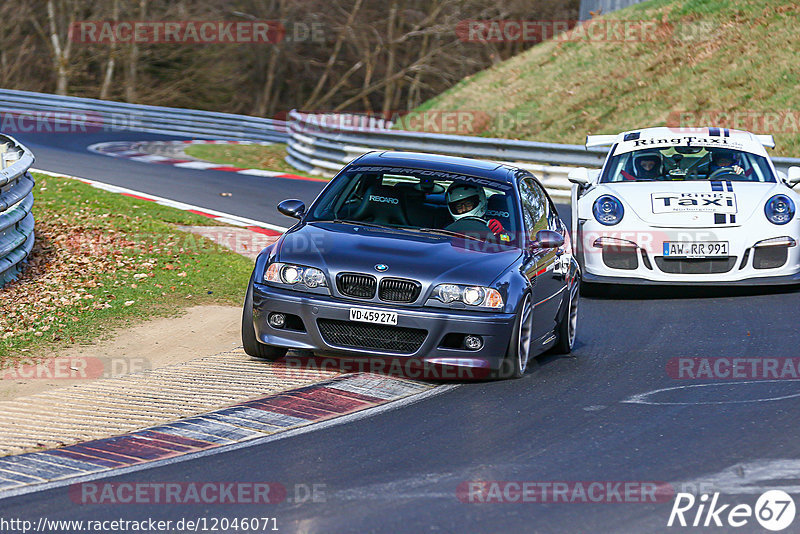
{"points": [[427, 258], [692, 204]]}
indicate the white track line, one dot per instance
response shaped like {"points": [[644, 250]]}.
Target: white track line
{"points": [[165, 201]]}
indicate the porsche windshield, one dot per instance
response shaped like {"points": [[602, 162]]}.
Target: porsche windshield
{"points": [[418, 200], [687, 163]]}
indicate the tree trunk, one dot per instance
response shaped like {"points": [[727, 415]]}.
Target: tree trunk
{"points": [[105, 89], [388, 90], [312, 100], [133, 61]]}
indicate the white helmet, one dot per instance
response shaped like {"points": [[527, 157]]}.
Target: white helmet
{"points": [[470, 195]]}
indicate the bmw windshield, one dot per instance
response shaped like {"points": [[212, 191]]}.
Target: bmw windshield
{"points": [[668, 163], [421, 200]]}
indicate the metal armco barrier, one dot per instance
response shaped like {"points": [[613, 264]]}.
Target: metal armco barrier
{"points": [[29, 111], [322, 144], [16, 201]]}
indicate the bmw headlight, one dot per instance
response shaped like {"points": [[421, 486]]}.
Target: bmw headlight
{"points": [[472, 296], [608, 210], [297, 276], [779, 209]]}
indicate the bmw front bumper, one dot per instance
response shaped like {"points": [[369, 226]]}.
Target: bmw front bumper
{"points": [[495, 329]]}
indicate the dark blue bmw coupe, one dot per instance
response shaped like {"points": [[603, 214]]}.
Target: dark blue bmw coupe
{"points": [[447, 261]]}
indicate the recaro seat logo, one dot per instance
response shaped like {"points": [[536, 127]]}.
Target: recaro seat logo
{"points": [[385, 200], [494, 213]]}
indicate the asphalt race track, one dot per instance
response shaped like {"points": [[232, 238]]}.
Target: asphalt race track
{"points": [[566, 420], [67, 154]]}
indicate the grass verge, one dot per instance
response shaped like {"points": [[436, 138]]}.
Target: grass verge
{"points": [[102, 261], [267, 157]]}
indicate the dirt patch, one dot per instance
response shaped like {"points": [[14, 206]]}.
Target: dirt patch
{"points": [[200, 331]]}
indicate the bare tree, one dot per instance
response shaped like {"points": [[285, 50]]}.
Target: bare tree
{"points": [[56, 35], [374, 54], [133, 61], [112, 57]]}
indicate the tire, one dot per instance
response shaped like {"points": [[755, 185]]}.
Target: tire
{"points": [[568, 325], [519, 346], [252, 346]]}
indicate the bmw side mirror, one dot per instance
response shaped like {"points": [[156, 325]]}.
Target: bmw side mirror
{"points": [[292, 208], [548, 239], [793, 176]]}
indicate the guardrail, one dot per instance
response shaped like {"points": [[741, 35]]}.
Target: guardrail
{"points": [[322, 144], [89, 114], [16, 201]]}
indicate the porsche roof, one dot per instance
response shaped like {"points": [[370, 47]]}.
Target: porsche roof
{"points": [[665, 136]]}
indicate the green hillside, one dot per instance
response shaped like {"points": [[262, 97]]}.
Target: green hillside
{"points": [[734, 63]]}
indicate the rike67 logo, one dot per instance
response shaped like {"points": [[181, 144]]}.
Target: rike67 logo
{"points": [[774, 510]]}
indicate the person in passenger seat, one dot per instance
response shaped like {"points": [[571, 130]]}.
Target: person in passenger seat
{"points": [[468, 202]]}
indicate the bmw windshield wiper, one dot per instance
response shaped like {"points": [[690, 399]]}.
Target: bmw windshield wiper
{"points": [[442, 231], [359, 223], [439, 231]]}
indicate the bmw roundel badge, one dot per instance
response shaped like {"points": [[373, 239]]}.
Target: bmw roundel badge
{"points": [[381, 267]]}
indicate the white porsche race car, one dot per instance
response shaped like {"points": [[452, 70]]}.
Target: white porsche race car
{"points": [[702, 206]]}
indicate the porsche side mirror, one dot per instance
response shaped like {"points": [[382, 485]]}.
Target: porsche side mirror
{"points": [[292, 208], [548, 239], [793, 176], [580, 176]]}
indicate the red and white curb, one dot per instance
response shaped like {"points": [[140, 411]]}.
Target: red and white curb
{"points": [[254, 422], [129, 150], [260, 227]]}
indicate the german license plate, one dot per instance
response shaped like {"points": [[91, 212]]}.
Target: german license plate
{"points": [[696, 249], [365, 315]]}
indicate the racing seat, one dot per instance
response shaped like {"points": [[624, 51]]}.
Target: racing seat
{"points": [[422, 208], [382, 205], [497, 208]]}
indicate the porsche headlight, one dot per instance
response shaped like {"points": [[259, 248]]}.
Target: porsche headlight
{"points": [[298, 276], [779, 209], [473, 296], [608, 210]]}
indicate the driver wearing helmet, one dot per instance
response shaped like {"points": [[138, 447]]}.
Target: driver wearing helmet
{"points": [[725, 159], [469, 201], [647, 165]]}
